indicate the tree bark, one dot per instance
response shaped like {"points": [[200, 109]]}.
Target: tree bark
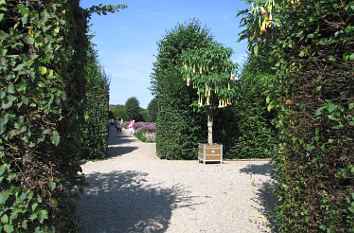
{"points": [[210, 127]]}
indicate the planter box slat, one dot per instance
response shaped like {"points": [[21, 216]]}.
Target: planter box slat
{"points": [[210, 153]]}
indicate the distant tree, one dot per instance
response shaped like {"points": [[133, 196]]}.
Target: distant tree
{"points": [[144, 115], [132, 109], [152, 109]]}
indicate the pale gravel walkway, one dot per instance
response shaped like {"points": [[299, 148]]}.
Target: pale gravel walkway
{"points": [[133, 191]]}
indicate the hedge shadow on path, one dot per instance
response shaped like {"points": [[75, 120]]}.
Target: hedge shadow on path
{"points": [[123, 201], [264, 195], [117, 143]]}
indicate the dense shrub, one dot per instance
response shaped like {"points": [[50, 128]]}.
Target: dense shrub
{"points": [[144, 116], [43, 46], [96, 105], [313, 41], [254, 123], [178, 128]]}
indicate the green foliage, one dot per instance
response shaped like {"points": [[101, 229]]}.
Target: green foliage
{"points": [[211, 71], [144, 116], [152, 109], [313, 42], [118, 111], [104, 9], [44, 65], [254, 122], [132, 109], [95, 133], [41, 97], [178, 128]]}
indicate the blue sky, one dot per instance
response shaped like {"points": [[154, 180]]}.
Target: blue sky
{"points": [[126, 41]]}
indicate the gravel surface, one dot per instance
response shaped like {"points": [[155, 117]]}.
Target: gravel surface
{"points": [[134, 191]]}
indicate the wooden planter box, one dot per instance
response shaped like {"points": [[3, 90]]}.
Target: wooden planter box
{"points": [[210, 153]]}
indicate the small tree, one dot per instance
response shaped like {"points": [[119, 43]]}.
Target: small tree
{"points": [[211, 71], [132, 109]]}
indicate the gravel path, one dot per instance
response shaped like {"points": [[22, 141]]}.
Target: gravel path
{"points": [[134, 191]]}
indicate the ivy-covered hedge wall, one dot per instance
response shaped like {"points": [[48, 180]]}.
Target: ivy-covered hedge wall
{"points": [[43, 48], [312, 42], [316, 167]]}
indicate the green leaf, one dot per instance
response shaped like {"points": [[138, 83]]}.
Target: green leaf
{"points": [[302, 54], [256, 50], [318, 111], [11, 176], [310, 36], [51, 185], [3, 168], [331, 107], [351, 57], [351, 105], [11, 89], [42, 69], [331, 58], [3, 197], [54, 201], [269, 107], [1, 16], [42, 215], [323, 41], [33, 216], [23, 86], [5, 219], [8, 228], [34, 206], [267, 99], [55, 138]]}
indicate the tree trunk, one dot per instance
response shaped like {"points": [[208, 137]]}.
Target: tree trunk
{"points": [[210, 127]]}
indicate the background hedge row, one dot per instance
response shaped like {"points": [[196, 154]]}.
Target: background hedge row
{"points": [[178, 127], [245, 130]]}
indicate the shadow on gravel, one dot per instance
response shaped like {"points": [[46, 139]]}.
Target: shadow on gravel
{"points": [[124, 202], [260, 169], [120, 150], [264, 195], [116, 144]]}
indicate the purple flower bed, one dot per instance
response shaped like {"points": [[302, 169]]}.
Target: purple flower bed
{"points": [[148, 127], [143, 127]]}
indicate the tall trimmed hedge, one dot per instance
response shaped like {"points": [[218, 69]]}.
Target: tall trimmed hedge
{"points": [[254, 122], [43, 46], [317, 165], [314, 43], [178, 128], [96, 108]]}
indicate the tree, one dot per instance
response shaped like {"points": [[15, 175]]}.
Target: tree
{"points": [[210, 70], [152, 109], [132, 109]]}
